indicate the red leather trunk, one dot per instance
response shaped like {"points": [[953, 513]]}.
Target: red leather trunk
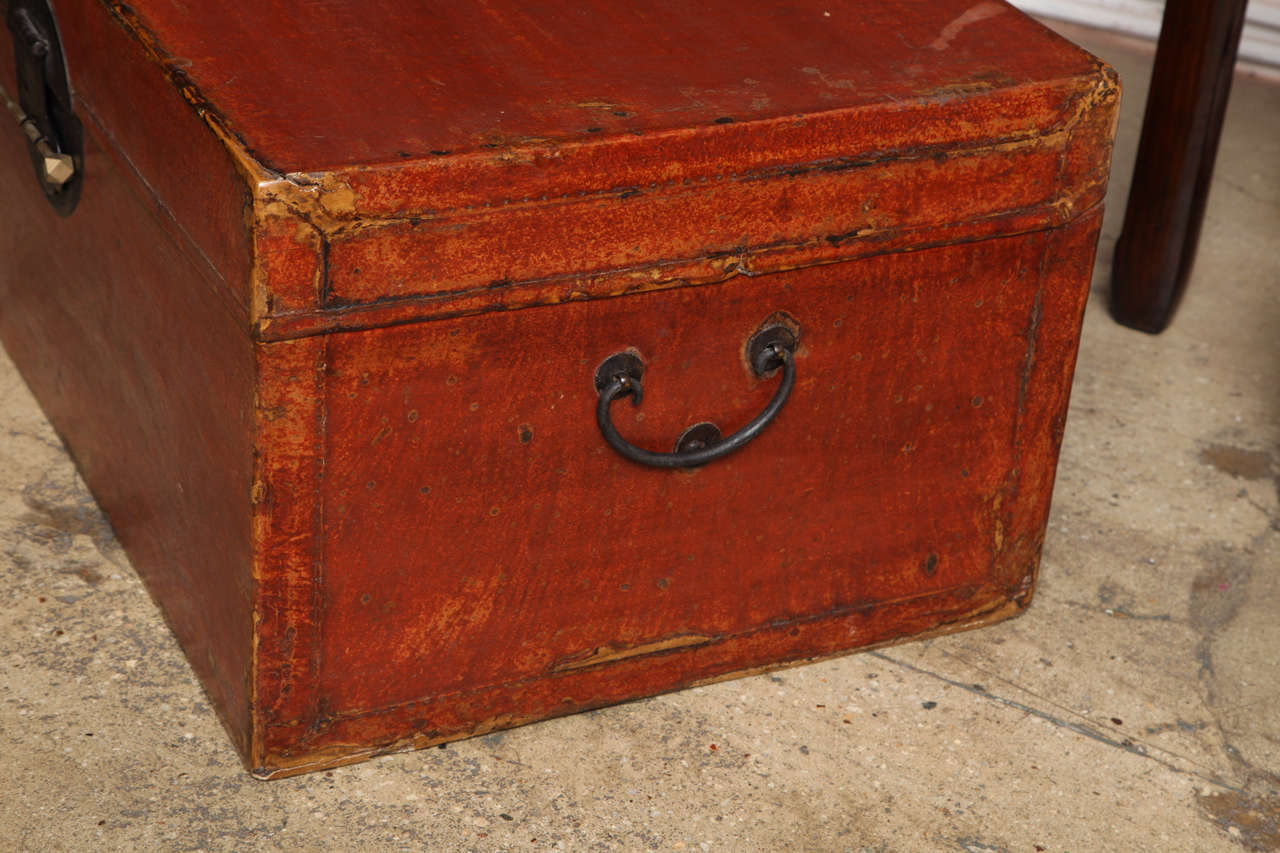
{"points": [[322, 335]]}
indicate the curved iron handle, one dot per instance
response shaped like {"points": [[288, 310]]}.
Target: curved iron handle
{"points": [[620, 375], [43, 105]]}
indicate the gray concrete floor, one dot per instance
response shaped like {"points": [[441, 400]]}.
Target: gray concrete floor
{"points": [[1134, 707]]}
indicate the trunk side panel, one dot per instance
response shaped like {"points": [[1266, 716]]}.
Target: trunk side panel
{"points": [[148, 377]]}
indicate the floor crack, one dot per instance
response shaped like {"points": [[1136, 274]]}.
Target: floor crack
{"points": [[1120, 612], [1126, 744]]}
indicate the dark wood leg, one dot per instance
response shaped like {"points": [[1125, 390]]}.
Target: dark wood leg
{"points": [[1189, 88]]}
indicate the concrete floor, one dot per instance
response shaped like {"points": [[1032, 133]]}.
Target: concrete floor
{"points": [[1134, 707]]}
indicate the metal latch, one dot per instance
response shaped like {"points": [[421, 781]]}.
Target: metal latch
{"points": [[44, 107]]}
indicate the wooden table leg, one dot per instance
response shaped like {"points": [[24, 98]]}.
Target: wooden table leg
{"points": [[1189, 88]]}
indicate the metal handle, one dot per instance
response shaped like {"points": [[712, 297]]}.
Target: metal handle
{"points": [[620, 375], [43, 105]]}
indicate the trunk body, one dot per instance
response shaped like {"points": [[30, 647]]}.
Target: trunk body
{"points": [[323, 330]]}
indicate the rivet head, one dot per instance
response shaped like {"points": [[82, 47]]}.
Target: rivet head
{"points": [[59, 168]]}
